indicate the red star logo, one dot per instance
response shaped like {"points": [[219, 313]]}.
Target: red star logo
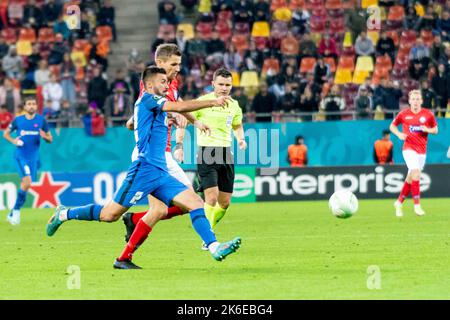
{"points": [[46, 192]]}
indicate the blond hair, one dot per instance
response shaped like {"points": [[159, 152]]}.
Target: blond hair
{"points": [[166, 50]]}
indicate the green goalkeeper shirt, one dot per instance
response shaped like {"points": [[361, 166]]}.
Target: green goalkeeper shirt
{"points": [[221, 122]]}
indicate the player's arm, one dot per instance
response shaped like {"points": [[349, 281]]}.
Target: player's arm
{"points": [[130, 124], [238, 131], [7, 136], [398, 133], [433, 130], [45, 133], [193, 105]]}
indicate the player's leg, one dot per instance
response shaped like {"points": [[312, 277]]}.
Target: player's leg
{"points": [[410, 160], [27, 170], [208, 176], [225, 186]]}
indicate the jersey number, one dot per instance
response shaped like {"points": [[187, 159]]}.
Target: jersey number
{"points": [[137, 197]]}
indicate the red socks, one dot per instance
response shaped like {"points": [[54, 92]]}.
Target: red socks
{"points": [[137, 238], [171, 212], [415, 191], [405, 192]]}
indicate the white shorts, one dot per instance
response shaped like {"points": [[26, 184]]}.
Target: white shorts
{"points": [[176, 171], [414, 160]]}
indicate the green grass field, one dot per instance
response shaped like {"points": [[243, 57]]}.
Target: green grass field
{"points": [[290, 250]]}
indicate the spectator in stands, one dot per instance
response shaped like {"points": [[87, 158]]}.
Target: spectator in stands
{"points": [[222, 5], [4, 47], [386, 46], [189, 4], [440, 85], [165, 39], [363, 103], [106, 17], [196, 48], [253, 58], [51, 11], [42, 75], [364, 46], [334, 103], [215, 49], [288, 104], [189, 90], [420, 53], [167, 12], [32, 15], [291, 77], [94, 121], [118, 105], [307, 47], [97, 89], [34, 58], [437, 49], [12, 64], [95, 54], [10, 96], [232, 59], [412, 20], [61, 27], [356, 21], [85, 30], [443, 25], [298, 153], [383, 149], [278, 86], [60, 48], [120, 78], [243, 11], [428, 21], [445, 59], [417, 70], [181, 40], [53, 93], [300, 20], [261, 10], [242, 99], [428, 95], [308, 103], [321, 71], [66, 114], [327, 47], [68, 79], [391, 101], [5, 117], [264, 103], [313, 86]]}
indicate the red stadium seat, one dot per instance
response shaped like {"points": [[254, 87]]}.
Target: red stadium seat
{"points": [[348, 4], [394, 35], [296, 4], [337, 26], [271, 65], [336, 13], [27, 34], [204, 29], [401, 63], [427, 36], [408, 36], [383, 62], [242, 28], [307, 65], [279, 29], [276, 4], [333, 4], [290, 46], [261, 43], [224, 16], [10, 35], [314, 4], [378, 74], [240, 42], [319, 12], [347, 63], [46, 35], [396, 13], [224, 30], [330, 61], [317, 25], [104, 33], [348, 51]]}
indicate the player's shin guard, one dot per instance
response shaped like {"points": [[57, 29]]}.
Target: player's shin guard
{"points": [[202, 226], [405, 192], [21, 198], [90, 212], [415, 191], [137, 238], [218, 214], [209, 213]]}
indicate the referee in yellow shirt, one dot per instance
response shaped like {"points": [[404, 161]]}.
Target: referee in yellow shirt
{"points": [[215, 164]]}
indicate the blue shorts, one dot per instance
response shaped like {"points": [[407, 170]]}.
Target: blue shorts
{"points": [[27, 167], [144, 179]]}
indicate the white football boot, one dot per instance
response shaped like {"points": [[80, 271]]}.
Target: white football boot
{"points": [[418, 210], [398, 209], [14, 217]]}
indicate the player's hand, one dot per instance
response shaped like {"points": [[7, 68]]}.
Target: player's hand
{"points": [[425, 129], [181, 121], [204, 129], [130, 124], [242, 144], [178, 153], [18, 142], [223, 101], [402, 136]]}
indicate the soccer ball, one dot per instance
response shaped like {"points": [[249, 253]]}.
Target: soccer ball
{"points": [[343, 204]]}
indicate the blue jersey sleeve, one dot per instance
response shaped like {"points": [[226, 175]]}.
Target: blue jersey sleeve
{"points": [[152, 102], [44, 125], [13, 125]]}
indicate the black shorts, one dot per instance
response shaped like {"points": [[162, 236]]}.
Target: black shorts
{"points": [[215, 171]]}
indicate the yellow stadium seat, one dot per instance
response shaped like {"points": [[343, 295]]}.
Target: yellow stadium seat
{"points": [[367, 3], [24, 48], [78, 58], [261, 29], [374, 36], [343, 76], [249, 79], [348, 42], [360, 76], [204, 6], [383, 14], [316, 37], [364, 63], [283, 14], [236, 81], [188, 30]]}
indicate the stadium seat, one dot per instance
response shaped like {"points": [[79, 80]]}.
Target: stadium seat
{"points": [[261, 43], [396, 13], [24, 48], [296, 4], [279, 30], [261, 29], [289, 46], [317, 24], [277, 4], [224, 16], [374, 36], [401, 62], [46, 35], [204, 29], [314, 4], [188, 30], [343, 76], [378, 74], [364, 63], [10, 35], [348, 42], [409, 36], [346, 63], [330, 61], [399, 74], [104, 33], [204, 6], [367, 3], [78, 58], [404, 49], [348, 51], [242, 28], [83, 46], [236, 79], [282, 14], [336, 13], [337, 26], [271, 66], [348, 4], [320, 12], [27, 34], [79, 74], [307, 65], [240, 42], [427, 36], [394, 36], [383, 62], [223, 28], [333, 4], [359, 77], [249, 79]]}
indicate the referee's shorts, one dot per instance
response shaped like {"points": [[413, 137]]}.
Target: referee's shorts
{"points": [[215, 168]]}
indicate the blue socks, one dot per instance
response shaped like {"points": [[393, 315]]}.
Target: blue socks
{"points": [[21, 197], [202, 226], [90, 212]]}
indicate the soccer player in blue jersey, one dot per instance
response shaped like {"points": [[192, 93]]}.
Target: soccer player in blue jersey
{"points": [[30, 128], [149, 175]]}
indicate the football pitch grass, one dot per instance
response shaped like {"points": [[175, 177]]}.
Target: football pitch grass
{"points": [[290, 250]]}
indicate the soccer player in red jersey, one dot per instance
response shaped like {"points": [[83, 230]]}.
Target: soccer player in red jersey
{"points": [[417, 123]]}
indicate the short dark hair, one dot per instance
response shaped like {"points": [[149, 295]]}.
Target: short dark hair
{"points": [[28, 98], [385, 132], [150, 72], [222, 72], [166, 50], [298, 138]]}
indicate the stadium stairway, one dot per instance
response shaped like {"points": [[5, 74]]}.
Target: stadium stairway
{"points": [[137, 24]]}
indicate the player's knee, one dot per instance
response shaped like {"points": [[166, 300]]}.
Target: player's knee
{"points": [[108, 216], [212, 199], [196, 203]]}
